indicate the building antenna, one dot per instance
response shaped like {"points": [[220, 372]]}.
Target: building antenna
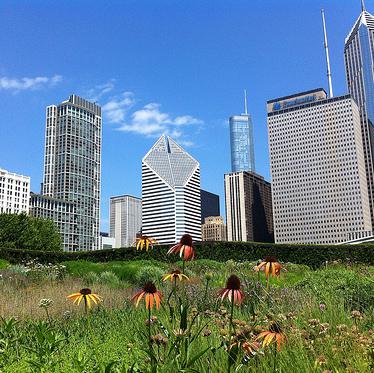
{"points": [[327, 54], [245, 103], [363, 9]]}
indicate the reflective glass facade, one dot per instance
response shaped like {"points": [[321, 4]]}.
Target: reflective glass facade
{"points": [[358, 53], [241, 142]]}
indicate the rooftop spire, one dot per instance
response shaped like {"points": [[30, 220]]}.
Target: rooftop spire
{"points": [[363, 9], [245, 103], [327, 54]]}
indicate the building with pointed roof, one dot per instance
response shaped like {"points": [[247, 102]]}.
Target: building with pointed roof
{"points": [[359, 63], [171, 204]]}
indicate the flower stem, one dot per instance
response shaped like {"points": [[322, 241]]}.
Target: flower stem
{"points": [[85, 304], [230, 332]]}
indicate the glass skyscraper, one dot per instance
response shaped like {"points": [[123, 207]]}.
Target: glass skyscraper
{"points": [[241, 143], [72, 165], [358, 53]]}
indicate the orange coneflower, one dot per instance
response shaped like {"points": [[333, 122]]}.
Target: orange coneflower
{"points": [[232, 290], [274, 334], [151, 295], [86, 295], [184, 248], [271, 266], [174, 276], [144, 242]]}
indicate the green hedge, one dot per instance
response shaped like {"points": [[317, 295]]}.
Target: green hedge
{"points": [[311, 255]]}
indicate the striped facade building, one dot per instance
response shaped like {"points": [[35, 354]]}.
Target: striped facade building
{"points": [[171, 204]]}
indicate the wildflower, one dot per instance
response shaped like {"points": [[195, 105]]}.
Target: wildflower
{"points": [[356, 315], [274, 334], [151, 321], [87, 296], [313, 322], [322, 307], [151, 294], [180, 332], [174, 276], [342, 328], [184, 248], [232, 290], [144, 242], [208, 276], [271, 266], [67, 315], [207, 332], [251, 347], [159, 340], [45, 303], [321, 360]]}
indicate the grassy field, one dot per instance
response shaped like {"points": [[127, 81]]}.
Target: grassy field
{"points": [[326, 319]]}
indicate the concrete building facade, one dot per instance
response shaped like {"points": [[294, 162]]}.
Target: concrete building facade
{"points": [[125, 220], [64, 215], [213, 229], [14, 193], [249, 215], [317, 164]]}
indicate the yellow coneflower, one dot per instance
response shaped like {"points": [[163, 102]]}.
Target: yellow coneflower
{"points": [[184, 248], [145, 242], [271, 266], [86, 295], [274, 334], [151, 295], [174, 276]]}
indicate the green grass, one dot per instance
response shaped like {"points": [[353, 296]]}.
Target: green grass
{"points": [[3, 264], [115, 339]]}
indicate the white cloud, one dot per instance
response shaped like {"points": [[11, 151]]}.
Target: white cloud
{"points": [[15, 85], [115, 110], [96, 93], [151, 121]]}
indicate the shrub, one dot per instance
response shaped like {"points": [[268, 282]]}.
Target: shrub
{"points": [[109, 278], [149, 273], [356, 290], [311, 255]]}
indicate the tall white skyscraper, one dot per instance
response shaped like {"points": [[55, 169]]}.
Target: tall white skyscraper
{"points": [[359, 63], [14, 193], [72, 163], [318, 169], [125, 220], [171, 203]]}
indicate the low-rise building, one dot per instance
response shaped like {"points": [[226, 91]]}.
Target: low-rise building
{"points": [[62, 212], [14, 193], [213, 229]]}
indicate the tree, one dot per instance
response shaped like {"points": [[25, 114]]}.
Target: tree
{"points": [[21, 231]]}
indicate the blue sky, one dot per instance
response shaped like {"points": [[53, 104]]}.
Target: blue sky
{"points": [[178, 67]]}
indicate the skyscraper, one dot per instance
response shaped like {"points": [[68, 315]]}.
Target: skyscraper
{"points": [[209, 205], [358, 53], [241, 141], [125, 219], [171, 203], [249, 214], [72, 163], [317, 167]]}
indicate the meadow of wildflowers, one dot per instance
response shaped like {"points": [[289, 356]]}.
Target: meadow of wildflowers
{"points": [[190, 316]]}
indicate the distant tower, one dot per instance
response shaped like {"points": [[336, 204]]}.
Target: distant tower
{"points": [[72, 164], [241, 141], [331, 94], [359, 63], [171, 204]]}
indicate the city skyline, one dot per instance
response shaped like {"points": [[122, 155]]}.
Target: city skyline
{"points": [[190, 120]]}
